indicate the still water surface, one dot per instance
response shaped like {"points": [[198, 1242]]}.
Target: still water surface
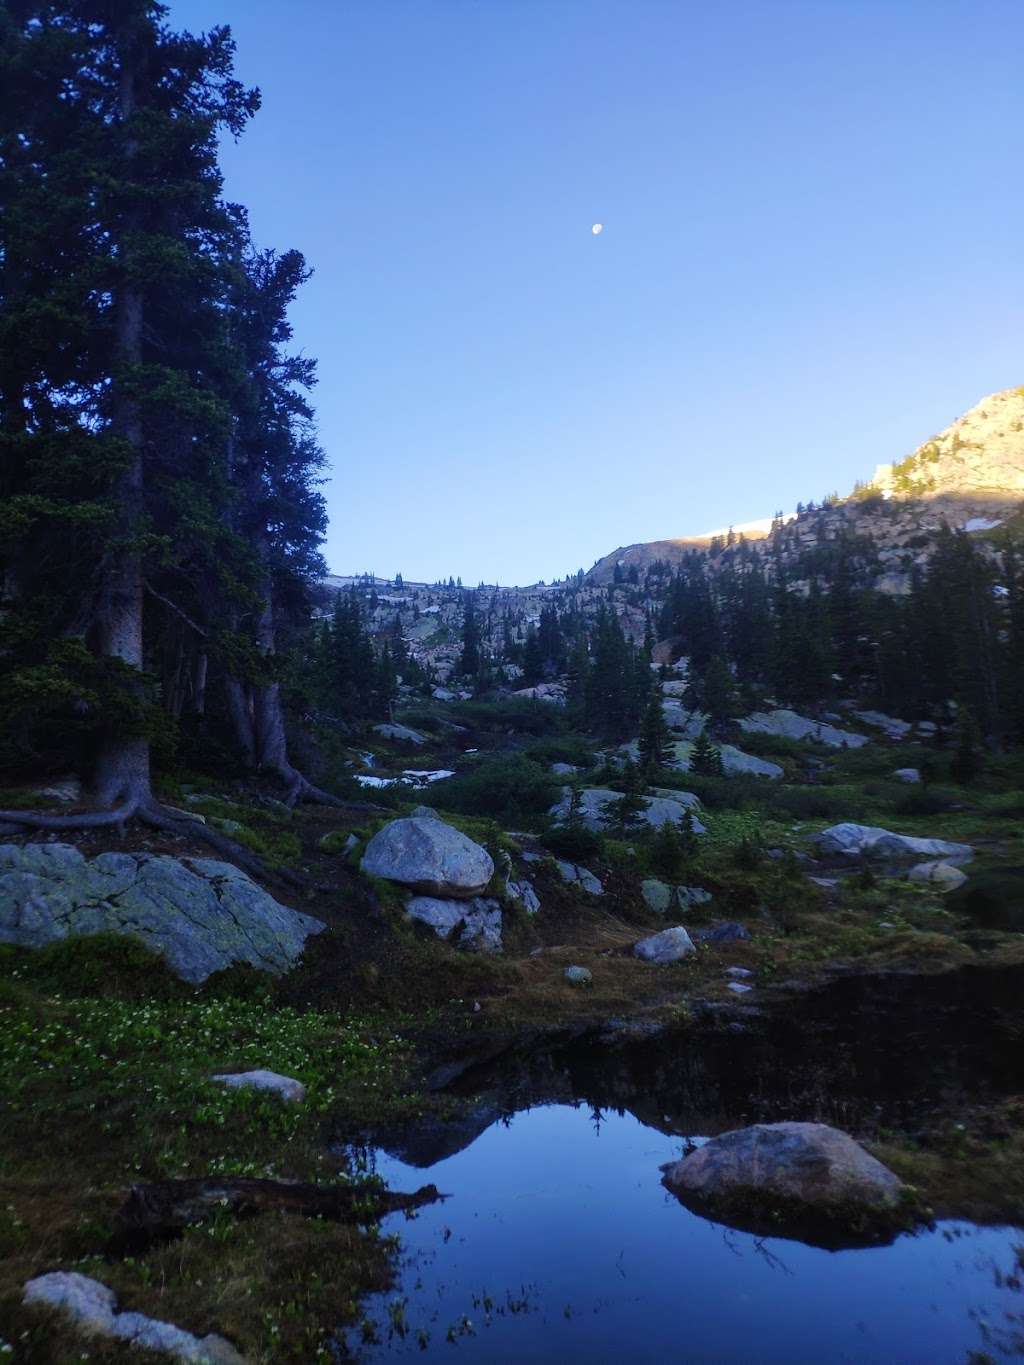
{"points": [[559, 1243]]}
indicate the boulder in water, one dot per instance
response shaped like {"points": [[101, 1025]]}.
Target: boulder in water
{"points": [[806, 1180]]}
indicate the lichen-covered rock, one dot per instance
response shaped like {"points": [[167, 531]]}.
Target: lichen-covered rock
{"points": [[792, 1174], [93, 1307], [429, 856], [201, 915], [671, 945], [478, 920], [854, 841], [657, 895], [286, 1086]]}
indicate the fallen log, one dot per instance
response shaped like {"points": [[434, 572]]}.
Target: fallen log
{"points": [[165, 1208]]}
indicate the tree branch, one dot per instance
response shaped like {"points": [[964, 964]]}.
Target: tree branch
{"points": [[166, 601]]}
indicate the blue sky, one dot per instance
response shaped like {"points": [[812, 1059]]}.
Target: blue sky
{"points": [[811, 258]]}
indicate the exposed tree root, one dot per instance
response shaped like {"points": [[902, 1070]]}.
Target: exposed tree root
{"points": [[299, 788], [151, 813], [159, 817], [91, 819]]}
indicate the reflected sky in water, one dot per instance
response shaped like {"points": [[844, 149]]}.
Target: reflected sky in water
{"points": [[559, 1243]]}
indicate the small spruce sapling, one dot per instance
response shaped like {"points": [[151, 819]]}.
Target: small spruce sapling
{"points": [[706, 757]]}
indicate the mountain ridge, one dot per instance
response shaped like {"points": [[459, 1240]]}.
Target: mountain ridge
{"points": [[971, 471]]}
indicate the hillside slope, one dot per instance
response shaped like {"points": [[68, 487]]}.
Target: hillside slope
{"points": [[971, 476]]}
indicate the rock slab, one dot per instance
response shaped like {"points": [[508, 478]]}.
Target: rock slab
{"points": [[201, 915], [429, 856], [94, 1308], [854, 841], [597, 809], [792, 726]]}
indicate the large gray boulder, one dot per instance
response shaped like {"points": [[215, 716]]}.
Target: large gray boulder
{"points": [[93, 1308], [430, 857], [790, 1175], [938, 874], [789, 725], [478, 920], [671, 945], [855, 841], [201, 915], [597, 807]]}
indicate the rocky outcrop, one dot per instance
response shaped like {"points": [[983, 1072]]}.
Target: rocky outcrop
{"points": [[856, 841], [671, 945], [788, 725], [734, 761], [475, 923], [93, 1307], [429, 856], [597, 809], [199, 914], [794, 1178]]}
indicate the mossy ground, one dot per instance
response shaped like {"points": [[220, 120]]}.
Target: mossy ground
{"points": [[102, 1090]]}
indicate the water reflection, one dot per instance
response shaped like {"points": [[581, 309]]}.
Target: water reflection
{"points": [[559, 1243]]}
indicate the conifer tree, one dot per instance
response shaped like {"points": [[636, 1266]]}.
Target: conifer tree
{"points": [[967, 761], [655, 738], [718, 694], [628, 809], [705, 756], [469, 663]]}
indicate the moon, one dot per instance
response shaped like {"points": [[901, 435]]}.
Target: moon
{"points": [[597, 229]]}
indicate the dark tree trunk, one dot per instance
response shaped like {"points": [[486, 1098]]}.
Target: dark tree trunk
{"points": [[121, 775]]}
